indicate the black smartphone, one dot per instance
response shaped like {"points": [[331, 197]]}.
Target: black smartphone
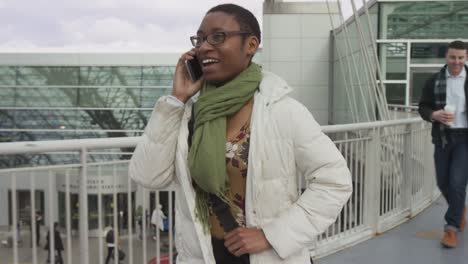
{"points": [[194, 69]]}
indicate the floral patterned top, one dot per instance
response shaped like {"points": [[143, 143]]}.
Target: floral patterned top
{"points": [[237, 153]]}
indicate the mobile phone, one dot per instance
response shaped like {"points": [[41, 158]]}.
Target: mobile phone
{"points": [[194, 69]]}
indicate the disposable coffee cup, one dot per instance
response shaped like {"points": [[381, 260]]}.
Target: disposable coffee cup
{"points": [[450, 109]]}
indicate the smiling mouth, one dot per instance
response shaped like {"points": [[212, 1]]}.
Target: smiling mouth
{"points": [[208, 62]]}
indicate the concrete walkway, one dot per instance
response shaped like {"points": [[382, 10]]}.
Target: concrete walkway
{"points": [[414, 242]]}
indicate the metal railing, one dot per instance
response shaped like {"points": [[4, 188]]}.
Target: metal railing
{"points": [[393, 179], [402, 111], [390, 162]]}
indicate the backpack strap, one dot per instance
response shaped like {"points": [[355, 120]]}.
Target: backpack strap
{"points": [[225, 217]]}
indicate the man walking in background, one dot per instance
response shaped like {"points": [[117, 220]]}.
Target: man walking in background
{"points": [[443, 103], [38, 227]]}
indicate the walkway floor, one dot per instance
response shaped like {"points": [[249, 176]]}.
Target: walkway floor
{"points": [[414, 242], [25, 251]]}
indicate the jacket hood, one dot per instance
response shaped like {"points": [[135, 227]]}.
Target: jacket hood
{"points": [[273, 87]]}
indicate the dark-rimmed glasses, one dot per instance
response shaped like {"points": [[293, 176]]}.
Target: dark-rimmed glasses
{"points": [[215, 38]]}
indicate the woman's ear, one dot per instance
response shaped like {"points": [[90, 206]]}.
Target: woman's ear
{"points": [[252, 45]]}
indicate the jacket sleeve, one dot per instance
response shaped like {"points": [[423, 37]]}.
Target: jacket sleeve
{"points": [[329, 188], [152, 163], [426, 103]]}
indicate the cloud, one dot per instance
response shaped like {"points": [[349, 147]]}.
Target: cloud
{"points": [[116, 33], [163, 25], [100, 30], [5, 3], [159, 25]]}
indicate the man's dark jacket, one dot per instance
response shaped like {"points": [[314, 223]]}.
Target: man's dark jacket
{"points": [[57, 241], [427, 105]]}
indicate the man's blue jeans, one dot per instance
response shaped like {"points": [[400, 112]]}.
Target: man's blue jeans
{"points": [[451, 164]]}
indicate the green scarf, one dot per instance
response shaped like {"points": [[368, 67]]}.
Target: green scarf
{"points": [[206, 158]]}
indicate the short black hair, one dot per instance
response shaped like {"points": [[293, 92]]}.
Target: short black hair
{"points": [[244, 17], [457, 44]]}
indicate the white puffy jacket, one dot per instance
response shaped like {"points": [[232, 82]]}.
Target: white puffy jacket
{"points": [[285, 141]]}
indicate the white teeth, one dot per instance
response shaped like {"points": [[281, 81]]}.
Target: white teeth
{"points": [[206, 61]]}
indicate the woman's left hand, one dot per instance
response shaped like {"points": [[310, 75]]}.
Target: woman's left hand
{"points": [[243, 240]]}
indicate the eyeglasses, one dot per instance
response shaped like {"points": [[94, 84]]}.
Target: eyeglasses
{"points": [[215, 38]]}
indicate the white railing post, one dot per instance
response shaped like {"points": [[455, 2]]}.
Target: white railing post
{"points": [[51, 218], [144, 223], [171, 227], [407, 169], [34, 232], [83, 214], [68, 216], [372, 184], [429, 168], [15, 225], [115, 214], [100, 214], [130, 220]]}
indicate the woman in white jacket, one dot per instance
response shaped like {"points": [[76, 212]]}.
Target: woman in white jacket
{"points": [[248, 141]]}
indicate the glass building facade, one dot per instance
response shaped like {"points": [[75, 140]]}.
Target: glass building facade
{"points": [[98, 100], [69, 102], [411, 39], [54, 96]]}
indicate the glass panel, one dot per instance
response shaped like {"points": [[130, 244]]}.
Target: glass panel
{"points": [[119, 76], [395, 93], [7, 119], [108, 206], [150, 96], [424, 20], [28, 160], [419, 77], [93, 219], [127, 76], [7, 75], [353, 35], [428, 53], [393, 60], [109, 97], [37, 97], [8, 96], [158, 76], [373, 13], [47, 75], [44, 119], [45, 97], [116, 119], [59, 134], [62, 209]]}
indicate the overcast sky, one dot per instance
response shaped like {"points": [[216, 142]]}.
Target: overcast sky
{"points": [[106, 25]]}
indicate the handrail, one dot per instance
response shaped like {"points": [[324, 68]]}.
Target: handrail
{"points": [[66, 145], [368, 125], [122, 142], [407, 107]]}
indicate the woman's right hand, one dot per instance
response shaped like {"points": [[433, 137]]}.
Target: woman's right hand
{"points": [[183, 88]]}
